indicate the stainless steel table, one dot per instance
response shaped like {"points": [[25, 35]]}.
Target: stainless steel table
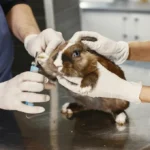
{"points": [[91, 130]]}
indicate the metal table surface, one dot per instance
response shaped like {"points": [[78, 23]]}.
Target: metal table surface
{"points": [[91, 130]]}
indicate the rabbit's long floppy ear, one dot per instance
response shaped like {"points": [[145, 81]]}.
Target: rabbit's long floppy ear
{"points": [[57, 50], [48, 68], [87, 38], [92, 39]]}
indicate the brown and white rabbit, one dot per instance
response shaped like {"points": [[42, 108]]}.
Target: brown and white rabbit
{"points": [[79, 61]]}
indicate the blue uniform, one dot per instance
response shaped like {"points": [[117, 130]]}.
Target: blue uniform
{"points": [[6, 44]]}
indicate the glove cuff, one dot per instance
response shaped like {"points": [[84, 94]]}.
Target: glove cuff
{"points": [[26, 43], [2, 88], [130, 91], [122, 52]]}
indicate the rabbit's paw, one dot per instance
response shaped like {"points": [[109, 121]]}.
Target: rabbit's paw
{"points": [[42, 58], [85, 90], [121, 118]]}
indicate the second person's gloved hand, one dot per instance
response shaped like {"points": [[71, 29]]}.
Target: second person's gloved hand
{"points": [[116, 51], [46, 41], [108, 85], [22, 88]]}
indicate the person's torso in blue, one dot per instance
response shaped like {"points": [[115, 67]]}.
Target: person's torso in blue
{"points": [[6, 49]]}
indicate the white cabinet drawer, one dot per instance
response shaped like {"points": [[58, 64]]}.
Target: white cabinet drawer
{"points": [[141, 26], [117, 26], [111, 25]]}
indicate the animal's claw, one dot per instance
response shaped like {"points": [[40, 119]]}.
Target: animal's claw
{"points": [[85, 90], [42, 58]]}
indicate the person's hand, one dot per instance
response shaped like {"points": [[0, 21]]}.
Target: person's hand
{"points": [[46, 41], [22, 88], [108, 85], [116, 51]]}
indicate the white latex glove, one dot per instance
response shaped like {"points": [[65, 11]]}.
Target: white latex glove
{"points": [[116, 51], [46, 41], [20, 89], [109, 85]]}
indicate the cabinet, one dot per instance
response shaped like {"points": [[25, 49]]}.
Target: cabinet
{"points": [[117, 26], [141, 26]]}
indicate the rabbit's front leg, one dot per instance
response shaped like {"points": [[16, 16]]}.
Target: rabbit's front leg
{"points": [[89, 82]]}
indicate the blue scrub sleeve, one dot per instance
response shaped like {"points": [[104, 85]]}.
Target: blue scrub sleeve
{"points": [[8, 4]]}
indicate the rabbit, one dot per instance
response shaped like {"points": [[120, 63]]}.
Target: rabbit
{"points": [[79, 61]]}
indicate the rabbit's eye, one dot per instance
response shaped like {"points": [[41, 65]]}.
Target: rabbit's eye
{"points": [[76, 54]]}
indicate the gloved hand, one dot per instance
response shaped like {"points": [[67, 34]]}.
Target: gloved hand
{"points": [[109, 85], [116, 51], [20, 89], [46, 41]]}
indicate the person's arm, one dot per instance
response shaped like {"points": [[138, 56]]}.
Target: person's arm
{"points": [[145, 94], [109, 85], [22, 22], [139, 51], [23, 25], [119, 51]]}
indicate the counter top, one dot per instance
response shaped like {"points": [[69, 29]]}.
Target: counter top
{"points": [[121, 6]]}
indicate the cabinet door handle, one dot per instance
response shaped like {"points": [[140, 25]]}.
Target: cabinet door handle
{"points": [[125, 36], [136, 37], [124, 18], [136, 19]]}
